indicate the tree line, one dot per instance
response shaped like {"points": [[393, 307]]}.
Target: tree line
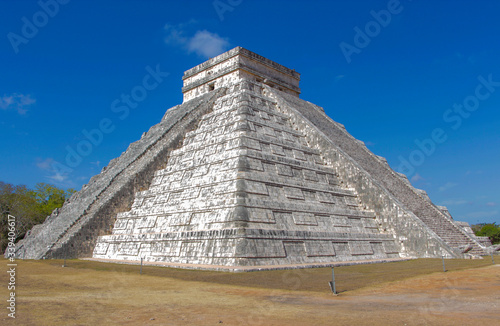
{"points": [[29, 206], [490, 230]]}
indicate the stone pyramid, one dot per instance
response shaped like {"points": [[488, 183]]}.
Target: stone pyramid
{"points": [[246, 174]]}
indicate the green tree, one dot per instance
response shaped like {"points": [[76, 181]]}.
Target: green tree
{"points": [[490, 230], [49, 198], [30, 207], [477, 227]]}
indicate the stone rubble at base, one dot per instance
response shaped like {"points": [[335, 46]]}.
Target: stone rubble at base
{"points": [[244, 173]]}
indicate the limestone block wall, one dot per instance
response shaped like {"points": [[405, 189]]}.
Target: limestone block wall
{"points": [[194, 192], [291, 194], [91, 211], [420, 228], [246, 188], [242, 64]]}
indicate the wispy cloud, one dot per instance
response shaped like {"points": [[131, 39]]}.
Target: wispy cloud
{"points": [[491, 204], [482, 214], [202, 42], [369, 143], [338, 77], [447, 186], [473, 172], [19, 102], [44, 164], [175, 34], [416, 177], [47, 165], [57, 177], [453, 202]]}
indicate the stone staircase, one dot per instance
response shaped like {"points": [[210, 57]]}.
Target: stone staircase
{"points": [[100, 215], [396, 185], [446, 229], [73, 231]]}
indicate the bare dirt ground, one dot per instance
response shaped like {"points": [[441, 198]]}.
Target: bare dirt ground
{"points": [[405, 293]]}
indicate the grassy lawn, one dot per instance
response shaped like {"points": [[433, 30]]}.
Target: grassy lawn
{"points": [[95, 293]]}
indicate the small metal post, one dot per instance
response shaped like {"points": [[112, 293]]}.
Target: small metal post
{"points": [[444, 268], [333, 280], [492, 259], [141, 267], [64, 265], [332, 283]]}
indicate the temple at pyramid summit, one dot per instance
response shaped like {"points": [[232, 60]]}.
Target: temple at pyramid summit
{"points": [[244, 175]]}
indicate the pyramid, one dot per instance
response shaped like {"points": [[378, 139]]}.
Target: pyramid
{"points": [[244, 174]]}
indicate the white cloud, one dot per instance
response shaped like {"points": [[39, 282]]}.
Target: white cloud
{"points": [[57, 177], [491, 204], [203, 42], [416, 177], [44, 164], [16, 101], [447, 186], [207, 44]]}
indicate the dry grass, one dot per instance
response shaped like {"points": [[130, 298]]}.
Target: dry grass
{"points": [[348, 277], [94, 293]]}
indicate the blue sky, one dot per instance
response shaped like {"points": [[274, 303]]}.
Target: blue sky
{"points": [[417, 81]]}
